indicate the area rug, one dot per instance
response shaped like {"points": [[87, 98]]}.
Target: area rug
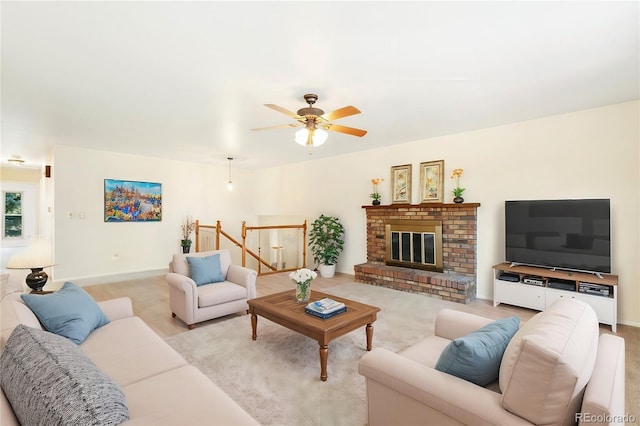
{"points": [[276, 378]]}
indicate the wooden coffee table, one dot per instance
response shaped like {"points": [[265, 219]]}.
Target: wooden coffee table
{"points": [[283, 309]]}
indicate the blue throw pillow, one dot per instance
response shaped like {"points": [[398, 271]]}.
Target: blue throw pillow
{"points": [[69, 312], [205, 270], [476, 357]]}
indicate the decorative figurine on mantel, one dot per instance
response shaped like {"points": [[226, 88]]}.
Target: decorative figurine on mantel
{"points": [[375, 194], [457, 191], [187, 228]]}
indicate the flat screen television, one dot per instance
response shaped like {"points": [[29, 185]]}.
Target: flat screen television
{"points": [[564, 234]]}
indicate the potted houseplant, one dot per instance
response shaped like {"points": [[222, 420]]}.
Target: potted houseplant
{"points": [[326, 239], [375, 194], [187, 228], [457, 191]]}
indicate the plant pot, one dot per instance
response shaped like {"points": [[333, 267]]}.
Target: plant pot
{"points": [[327, 271], [458, 200], [376, 202], [186, 246]]}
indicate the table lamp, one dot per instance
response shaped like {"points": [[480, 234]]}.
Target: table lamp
{"points": [[36, 258]]}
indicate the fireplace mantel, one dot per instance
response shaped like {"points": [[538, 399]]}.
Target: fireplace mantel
{"points": [[457, 282], [430, 205]]}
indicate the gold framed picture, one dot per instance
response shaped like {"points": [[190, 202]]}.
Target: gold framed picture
{"points": [[401, 184], [431, 181]]}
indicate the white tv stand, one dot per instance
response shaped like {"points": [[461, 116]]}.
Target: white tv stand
{"points": [[540, 297]]}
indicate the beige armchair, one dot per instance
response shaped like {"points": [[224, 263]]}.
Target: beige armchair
{"points": [[192, 303], [556, 370]]}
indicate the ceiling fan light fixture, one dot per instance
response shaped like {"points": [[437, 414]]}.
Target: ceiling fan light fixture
{"points": [[301, 137], [315, 122], [319, 137]]}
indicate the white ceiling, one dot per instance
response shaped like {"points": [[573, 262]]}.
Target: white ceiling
{"points": [[188, 80]]}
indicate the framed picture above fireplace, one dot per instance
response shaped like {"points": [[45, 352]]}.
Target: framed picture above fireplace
{"points": [[401, 184], [431, 181]]}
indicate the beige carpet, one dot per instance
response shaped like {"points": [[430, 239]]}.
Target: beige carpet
{"points": [[277, 377]]}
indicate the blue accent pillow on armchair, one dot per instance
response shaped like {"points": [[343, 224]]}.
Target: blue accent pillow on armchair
{"points": [[69, 312], [205, 270], [476, 357]]}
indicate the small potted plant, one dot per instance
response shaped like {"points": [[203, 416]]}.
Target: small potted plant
{"points": [[457, 191], [187, 228], [326, 239], [375, 194]]}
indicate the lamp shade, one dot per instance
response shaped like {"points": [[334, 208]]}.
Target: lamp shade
{"points": [[37, 256]]}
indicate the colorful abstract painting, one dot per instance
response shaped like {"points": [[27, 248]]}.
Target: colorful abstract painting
{"points": [[131, 201]]}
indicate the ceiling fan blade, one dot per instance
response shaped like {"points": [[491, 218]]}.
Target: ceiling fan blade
{"points": [[282, 126], [344, 129], [284, 111], [340, 113]]}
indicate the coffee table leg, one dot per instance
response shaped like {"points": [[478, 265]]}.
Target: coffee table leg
{"points": [[254, 326], [324, 354], [369, 336]]}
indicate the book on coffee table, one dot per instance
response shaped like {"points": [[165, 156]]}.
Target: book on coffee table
{"points": [[325, 306], [325, 315]]}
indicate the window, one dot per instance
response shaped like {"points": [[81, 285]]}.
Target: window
{"points": [[19, 213], [12, 215]]}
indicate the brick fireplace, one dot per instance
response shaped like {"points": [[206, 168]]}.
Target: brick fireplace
{"points": [[454, 279]]}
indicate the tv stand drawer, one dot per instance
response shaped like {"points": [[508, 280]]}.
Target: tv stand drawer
{"points": [[525, 295]]}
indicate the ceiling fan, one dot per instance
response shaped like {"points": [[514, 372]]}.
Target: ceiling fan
{"points": [[315, 121]]}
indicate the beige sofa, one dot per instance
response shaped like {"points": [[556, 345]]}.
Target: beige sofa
{"points": [[192, 303], [161, 388], [556, 370]]}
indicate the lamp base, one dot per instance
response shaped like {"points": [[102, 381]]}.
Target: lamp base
{"points": [[37, 279]]}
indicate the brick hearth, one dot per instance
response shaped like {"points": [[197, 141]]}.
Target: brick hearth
{"points": [[459, 242]]}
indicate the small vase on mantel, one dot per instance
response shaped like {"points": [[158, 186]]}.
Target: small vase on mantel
{"points": [[376, 202], [458, 200]]}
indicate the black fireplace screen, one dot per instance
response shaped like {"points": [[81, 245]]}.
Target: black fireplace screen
{"points": [[417, 247], [415, 244]]}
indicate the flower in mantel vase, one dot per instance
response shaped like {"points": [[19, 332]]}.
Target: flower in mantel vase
{"points": [[375, 194], [302, 278], [457, 191]]}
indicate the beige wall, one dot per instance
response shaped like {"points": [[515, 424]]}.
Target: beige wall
{"points": [[89, 248], [587, 154]]}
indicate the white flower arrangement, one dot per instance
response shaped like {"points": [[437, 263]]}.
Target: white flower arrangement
{"points": [[303, 275]]}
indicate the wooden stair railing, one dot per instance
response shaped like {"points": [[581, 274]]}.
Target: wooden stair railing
{"points": [[243, 245]]}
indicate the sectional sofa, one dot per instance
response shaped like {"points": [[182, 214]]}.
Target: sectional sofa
{"points": [[160, 387], [556, 370]]}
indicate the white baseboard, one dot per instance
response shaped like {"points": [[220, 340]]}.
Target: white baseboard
{"points": [[106, 279]]}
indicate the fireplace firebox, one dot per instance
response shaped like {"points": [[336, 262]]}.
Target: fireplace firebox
{"points": [[414, 244]]}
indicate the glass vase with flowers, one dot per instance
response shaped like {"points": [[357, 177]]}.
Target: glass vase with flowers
{"points": [[302, 278]]}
